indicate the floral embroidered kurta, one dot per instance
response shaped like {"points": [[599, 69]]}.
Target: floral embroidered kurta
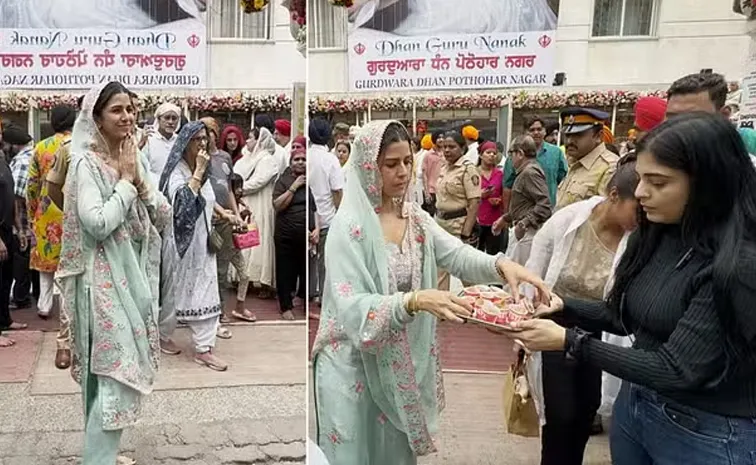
{"points": [[109, 276], [378, 385], [45, 218]]}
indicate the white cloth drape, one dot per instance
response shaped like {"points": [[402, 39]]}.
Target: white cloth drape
{"points": [[112, 14], [260, 169]]}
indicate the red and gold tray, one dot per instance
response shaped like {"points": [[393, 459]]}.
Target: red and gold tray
{"points": [[494, 308]]}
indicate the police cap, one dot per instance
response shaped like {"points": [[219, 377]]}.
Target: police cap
{"points": [[576, 120]]}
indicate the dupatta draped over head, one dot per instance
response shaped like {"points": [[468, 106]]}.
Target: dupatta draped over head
{"points": [[400, 358], [186, 205], [109, 273], [265, 146]]}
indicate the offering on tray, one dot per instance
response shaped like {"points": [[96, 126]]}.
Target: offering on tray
{"points": [[494, 306]]}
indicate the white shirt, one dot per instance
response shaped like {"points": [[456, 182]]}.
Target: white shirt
{"points": [[282, 155], [325, 176], [472, 153], [157, 150]]}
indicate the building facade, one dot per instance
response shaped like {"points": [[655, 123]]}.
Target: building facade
{"points": [[607, 53], [253, 61]]}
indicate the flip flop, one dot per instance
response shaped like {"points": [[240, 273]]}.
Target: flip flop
{"points": [[15, 326], [210, 364], [6, 342], [123, 460], [223, 333], [287, 315], [245, 315]]}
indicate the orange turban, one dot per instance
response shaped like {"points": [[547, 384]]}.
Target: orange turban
{"points": [[470, 133], [426, 142], [606, 135]]}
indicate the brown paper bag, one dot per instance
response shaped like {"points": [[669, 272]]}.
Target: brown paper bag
{"points": [[520, 417]]}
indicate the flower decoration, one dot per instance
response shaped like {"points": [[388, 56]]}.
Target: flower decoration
{"points": [[253, 6], [234, 102], [298, 12], [342, 3], [526, 100]]}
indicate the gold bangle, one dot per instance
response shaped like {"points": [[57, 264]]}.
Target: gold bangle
{"points": [[408, 303]]}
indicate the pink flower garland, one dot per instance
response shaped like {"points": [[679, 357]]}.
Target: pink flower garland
{"points": [[241, 102]]}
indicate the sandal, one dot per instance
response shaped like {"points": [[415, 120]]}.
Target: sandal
{"points": [[287, 315], [123, 460], [244, 315], [15, 326], [169, 348], [6, 342], [224, 319], [223, 333], [211, 361]]}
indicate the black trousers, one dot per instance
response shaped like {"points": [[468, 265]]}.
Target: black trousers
{"points": [[572, 396], [291, 266], [25, 278], [489, 243], [6, 279]]}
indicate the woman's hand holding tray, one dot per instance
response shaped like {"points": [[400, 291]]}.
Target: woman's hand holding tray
{"points": [[496, 309]]}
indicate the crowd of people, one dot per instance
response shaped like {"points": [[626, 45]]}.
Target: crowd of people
{"points": [[639, 259], [136, 227]]}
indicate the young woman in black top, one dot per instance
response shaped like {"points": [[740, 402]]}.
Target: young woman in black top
{"points": [[685, 290]]}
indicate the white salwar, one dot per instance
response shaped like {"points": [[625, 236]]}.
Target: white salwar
{"points": [[551, 247], [190, 284], [111, 14], [259, 170]]}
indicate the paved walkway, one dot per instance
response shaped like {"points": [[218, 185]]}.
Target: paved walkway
{"points": [[254, 413], [472, 430]]}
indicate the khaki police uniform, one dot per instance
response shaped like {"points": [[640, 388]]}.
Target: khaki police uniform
{"points": [[458, 183], [587, 177]]}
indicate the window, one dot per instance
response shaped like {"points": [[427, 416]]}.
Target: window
{"points": [[623, 18], [327, 25], [228, 21]]}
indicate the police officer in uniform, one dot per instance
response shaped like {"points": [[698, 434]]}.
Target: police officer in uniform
{"points": [[591, 164], [457, 194]]}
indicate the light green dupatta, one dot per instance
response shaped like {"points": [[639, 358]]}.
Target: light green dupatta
{"points": [[109, 276], [398, 352]]}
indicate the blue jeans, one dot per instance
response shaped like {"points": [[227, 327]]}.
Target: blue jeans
{"points": [[649, 429]]}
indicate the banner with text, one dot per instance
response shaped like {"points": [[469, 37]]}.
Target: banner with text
{"points": [[84, 58], [449, 45], [453, 62]]}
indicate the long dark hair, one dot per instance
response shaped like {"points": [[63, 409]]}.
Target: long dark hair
{"points": [[719, 220]]}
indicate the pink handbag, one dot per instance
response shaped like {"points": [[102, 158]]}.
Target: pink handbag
{"points": [[248, 239]]}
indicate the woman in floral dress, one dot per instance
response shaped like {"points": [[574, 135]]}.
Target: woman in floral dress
{"points": [[45, 217], [378, 383], [109, 269]]}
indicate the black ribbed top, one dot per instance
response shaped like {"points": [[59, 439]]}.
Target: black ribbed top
{"points": [[680, 349]]}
